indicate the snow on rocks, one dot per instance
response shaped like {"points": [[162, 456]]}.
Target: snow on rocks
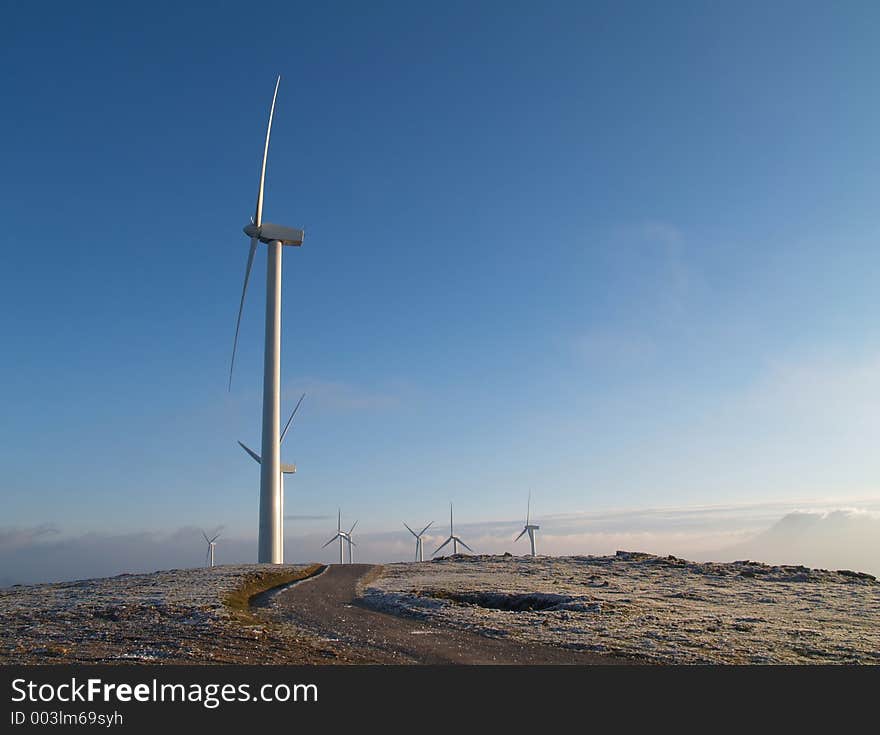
{"points": [[171, 616], [658, 609]]}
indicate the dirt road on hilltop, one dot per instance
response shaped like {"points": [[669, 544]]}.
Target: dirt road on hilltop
{"points": [[326, 606]]}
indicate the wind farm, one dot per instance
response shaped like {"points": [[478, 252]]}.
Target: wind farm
{"points": [[629, 273], [453, 606]]}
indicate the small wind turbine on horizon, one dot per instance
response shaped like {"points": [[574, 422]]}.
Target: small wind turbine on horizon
{"points": [[343, 536], [529, 528], [419, 553], [453, 538], [275, 237], [212, 545], [286, 469]]}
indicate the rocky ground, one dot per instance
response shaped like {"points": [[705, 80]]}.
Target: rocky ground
{"points": [[630, 607], [657, 609], [192, 616]]}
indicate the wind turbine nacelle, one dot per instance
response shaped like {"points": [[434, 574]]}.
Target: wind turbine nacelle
{"points": [[267, 232]]}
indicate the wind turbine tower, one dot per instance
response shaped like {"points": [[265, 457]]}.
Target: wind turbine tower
{"points": [[275, 237], [286, 469], [453, 538], [212, 545], [419, 549], [529, 528]]}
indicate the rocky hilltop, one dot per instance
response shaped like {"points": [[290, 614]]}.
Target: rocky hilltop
{"points": [[191, 616], [656, 609], [631, 605]]}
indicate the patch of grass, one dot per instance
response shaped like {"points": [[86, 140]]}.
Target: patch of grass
{"points": [[239, 600], [370, 576]]}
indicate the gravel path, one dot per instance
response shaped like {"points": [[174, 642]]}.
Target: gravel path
{"points": [[326, 606]]}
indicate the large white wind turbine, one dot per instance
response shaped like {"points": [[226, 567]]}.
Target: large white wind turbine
{"points": [[529, 528], [212, 544], [286, 469], [275, 237], [419, 554], [344, 537], [453, 538]]}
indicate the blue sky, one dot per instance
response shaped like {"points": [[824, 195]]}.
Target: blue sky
{"points": [[623, 254]]}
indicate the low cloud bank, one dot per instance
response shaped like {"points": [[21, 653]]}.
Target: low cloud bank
{"points": [[846, 538], [832, 538]]}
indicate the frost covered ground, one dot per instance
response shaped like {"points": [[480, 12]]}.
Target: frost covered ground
{"points": [[654, 609], [176, 616], [658, 609]]}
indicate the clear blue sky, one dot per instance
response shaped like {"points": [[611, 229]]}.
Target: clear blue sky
{"points": [[625, 254]]}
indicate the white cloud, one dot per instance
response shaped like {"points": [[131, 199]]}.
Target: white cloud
{"points": [[842, 538], [842, 390], [649, 272]]}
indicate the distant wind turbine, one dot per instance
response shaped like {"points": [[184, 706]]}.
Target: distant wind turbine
{"points": [[453, 538], [529, 528], [286, 469], [270, 549], [212, 544], [419, 555], [343, 536]]}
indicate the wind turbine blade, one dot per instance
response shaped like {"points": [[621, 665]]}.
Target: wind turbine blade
{"points": [[205, 535], [339, 521], [331, 540], [442, 545], [251, 452], [351, 543], [287, 425], [247, 275], [450, 520], [215, 538], [258, 217], [520, 536], [410, 530], [529, 508], [352, 528], [466, 546], [426, 528]]}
